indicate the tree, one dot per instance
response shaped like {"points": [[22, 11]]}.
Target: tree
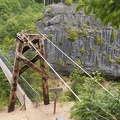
{"points": [[108, 11]]}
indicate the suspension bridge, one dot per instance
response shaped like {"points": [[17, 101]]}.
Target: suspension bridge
{"points": [[34, 42]]}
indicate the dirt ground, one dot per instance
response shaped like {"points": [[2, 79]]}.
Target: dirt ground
{"points": [[42, 112]]}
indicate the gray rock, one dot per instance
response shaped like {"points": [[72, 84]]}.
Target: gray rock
{"points": [[59, 118], [59, 21]]}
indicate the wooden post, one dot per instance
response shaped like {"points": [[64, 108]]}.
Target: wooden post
{"points": [[14, 81], [55, 90], [37, 102], [24, 104], [55, 96], [44, 79]]}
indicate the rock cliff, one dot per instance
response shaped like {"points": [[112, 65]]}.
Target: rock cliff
{"points": [[81, 38]]}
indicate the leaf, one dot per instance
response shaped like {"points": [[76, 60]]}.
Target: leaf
{"points": [[79, 7]]}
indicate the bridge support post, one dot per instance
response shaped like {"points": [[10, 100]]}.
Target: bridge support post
{"points": [[14, 81], [44, 79]]}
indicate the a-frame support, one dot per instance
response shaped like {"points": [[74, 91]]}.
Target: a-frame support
{"points": [[24, 43]]}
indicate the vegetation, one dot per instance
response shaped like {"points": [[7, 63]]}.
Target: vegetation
{"points": [[113, 35], [110, 14], [110, 59], [72, 35], [91, 48], [21, 15], [17, 16], [85, 33], [99, 41], [4, 89], [82, 50], [104, 53], [68, 2], [96, 102]]}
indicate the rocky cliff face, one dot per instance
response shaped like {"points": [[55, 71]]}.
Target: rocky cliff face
{"points": [[81, 38]]}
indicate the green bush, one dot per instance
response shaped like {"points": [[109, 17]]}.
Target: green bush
{"points": [[99, 41], [91, 48], [104, 53], [110, 59], [4, 89], [113, 35], [68, 2], [96, 103], [17, 16], [72, 35], [82, 50], [97, 108]]}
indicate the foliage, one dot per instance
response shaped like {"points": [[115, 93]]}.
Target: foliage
{"points": [[97, 108], [82, 50], [104, 53], [98, 40], [96, 103], [110, 59], [85, 32], [108, 11], [113, 35], [91, 48], [77, 82], [72, 35], [17, 16], [78, 61], [4, 89], [68, 2]]}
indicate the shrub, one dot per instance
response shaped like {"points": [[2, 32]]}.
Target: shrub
{"points": [[82, 50], [44, 22], [113, 35], [97, 108], [85, 32], [91, 48], [96, 103], [104, 53], [72, 35], [110, 59], [99, 41], [68, 2]]}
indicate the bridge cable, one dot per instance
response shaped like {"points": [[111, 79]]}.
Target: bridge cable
{"points": [[30, 43], [81, 68], [43, 109]]}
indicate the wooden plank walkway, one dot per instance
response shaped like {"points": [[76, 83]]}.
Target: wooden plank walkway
{"points": [[20, 92]]}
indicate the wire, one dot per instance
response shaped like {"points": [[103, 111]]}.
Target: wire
{"points": [[80, 68], [53, 69], [30, 43]]}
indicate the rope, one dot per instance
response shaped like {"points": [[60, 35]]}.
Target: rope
{"points": [[5, 60], [52, 69], [30, 43], [81, 68]]}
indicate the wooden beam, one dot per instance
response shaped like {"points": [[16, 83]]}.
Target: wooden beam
{"points": [[30, 64], [25, 67], [25, 48], [43, 66], [14, 81], [34, 36]]}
